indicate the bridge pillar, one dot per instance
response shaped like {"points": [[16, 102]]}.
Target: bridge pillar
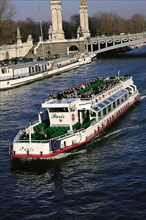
{"points": [[106, 44], [56, 11], [84, 19], [98, 46], [91, 47]]}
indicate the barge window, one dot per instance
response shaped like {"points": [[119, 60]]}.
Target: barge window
{"points": [[33, 69], [37, 68], [29, 69], [43, 68], [58, 109], [4, 70]]}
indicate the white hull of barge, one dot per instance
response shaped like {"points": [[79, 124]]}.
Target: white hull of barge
{"points": [[42, 150], [12, 83]]}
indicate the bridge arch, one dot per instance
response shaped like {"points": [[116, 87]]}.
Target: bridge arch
{"points": [[73, 48]]}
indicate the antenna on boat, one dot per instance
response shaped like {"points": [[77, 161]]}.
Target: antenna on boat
{"points": [[30, 132], [41, 30]]}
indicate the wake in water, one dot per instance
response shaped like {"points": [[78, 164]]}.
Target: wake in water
{"points": [[101, 136], [64, 155], [142, 97]]}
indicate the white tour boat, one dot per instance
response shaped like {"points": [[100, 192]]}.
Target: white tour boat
{"points": [[16, 75], [84, 59], [74, 117]]}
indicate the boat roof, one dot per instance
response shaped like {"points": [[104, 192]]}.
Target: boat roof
{"points": [[109, 100], [55, 103], [33, 63], [24, 65]]}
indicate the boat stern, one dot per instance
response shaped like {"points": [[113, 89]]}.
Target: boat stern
{"points": [[28, 149]]}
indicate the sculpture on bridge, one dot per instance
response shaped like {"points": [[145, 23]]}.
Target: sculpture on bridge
{"points": [[79, 32], [83, 2], [50, 32]]}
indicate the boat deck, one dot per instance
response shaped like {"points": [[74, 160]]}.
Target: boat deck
{"points": [[94, 87]]}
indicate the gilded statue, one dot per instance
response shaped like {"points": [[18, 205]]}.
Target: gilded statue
{"points": [[83, 2]]}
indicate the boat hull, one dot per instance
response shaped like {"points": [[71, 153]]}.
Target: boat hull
{"points": [[12, 83]]}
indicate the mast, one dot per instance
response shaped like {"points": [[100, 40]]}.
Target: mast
{"points": [[41, 32]]}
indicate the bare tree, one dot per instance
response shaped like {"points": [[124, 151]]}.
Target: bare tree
{"points": [[7, 12]]}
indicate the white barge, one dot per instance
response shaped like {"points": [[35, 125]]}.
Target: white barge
{"points": [[74, 117], [16, 75]]}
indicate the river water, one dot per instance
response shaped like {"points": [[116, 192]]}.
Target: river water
{"points": [[104, 180]]}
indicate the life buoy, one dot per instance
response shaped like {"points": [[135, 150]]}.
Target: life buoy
{"points": [[73, 117]]}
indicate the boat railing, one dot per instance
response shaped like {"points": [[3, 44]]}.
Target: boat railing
{"points": [[17, 138], [34, 141], [70, 133], [113, 87]]}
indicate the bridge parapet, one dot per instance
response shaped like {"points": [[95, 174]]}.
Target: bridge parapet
{"points": [[105, 43], [120, 37]]}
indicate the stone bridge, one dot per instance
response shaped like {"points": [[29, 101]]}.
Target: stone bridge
{"points": [[106, 43], [97, 44]]}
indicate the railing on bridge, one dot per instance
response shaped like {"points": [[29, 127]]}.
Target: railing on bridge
{"points": [[106, 43]]}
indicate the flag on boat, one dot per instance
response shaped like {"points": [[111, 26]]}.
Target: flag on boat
{"points": [[55, 144]]}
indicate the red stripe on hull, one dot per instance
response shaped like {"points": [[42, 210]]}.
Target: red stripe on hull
{"points": [[50, 155]]}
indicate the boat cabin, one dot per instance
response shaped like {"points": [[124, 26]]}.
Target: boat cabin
{"points": [[23, 69], [62, 112]]}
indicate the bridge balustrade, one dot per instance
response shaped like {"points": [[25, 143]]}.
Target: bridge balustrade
{"points": [[106, 43]]}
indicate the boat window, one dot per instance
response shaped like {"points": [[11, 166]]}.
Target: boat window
{"points": [[126, 96], [109, 108], [58, 109], [104, 111], [72, 109], [43, 68], [4, 70], [93, 114], [101, 105], [99, 114], [106, 101], [111, 98], [114, 104], [133, 87], [118, 102], [29, 69], [37, 68], [129, 89], [123, 98], [44, 115], [33, 69]]}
